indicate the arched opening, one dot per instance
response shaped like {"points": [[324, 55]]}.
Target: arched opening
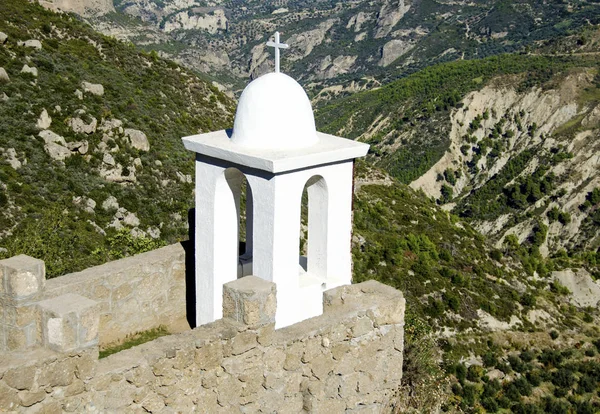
{"points": [[313, 234], [233, 225], [245, 229]]}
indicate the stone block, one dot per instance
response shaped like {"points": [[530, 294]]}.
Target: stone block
{"points": [[22, 278], [18, 338], [20, 378], [69, 322], [250, 300]]}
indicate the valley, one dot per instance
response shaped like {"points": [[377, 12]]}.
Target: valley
{"points": [[479, 199]]}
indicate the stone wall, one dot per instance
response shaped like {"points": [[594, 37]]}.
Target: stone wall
{"points": [[349, 359], [132, 295]]}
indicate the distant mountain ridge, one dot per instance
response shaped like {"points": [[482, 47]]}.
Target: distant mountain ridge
{"points": [[333, 42]]}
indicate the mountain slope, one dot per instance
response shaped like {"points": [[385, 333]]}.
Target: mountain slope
{"points": [[478, 133], [90, 134], [334, 41]]}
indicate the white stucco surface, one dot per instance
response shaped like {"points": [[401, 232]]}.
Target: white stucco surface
{"points": [[274, 146], [328, 149], [274, 112], [273, 233]]}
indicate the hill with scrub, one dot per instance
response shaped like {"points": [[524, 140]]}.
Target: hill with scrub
{"points": [[92, 167], [508, 142]]}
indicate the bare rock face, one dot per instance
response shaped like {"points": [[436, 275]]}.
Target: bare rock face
{"points": [[3, 38], [4, 76], [111, 127], [302, 44], [110, 203], [211, 22], [28, 69], [389, 15], [79, 126], [81, 147], [11, 158], [93, 88], [393, 49], [33, 43], [56, 145], [584, 290], [137, 139], [108, 159], [330, 68], [44, 120], [357, 21], [85, 8], [85, 203], [259, 63]]}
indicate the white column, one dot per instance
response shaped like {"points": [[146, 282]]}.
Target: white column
{"points": [[276, 239], [339, 228], [217, 221]]}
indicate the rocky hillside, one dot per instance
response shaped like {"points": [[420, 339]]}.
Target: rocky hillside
{"points": [[527, 161], [510, 339], [332, 41], [510, 142], [91, 161]]}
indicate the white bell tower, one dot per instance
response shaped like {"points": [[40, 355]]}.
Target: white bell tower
{"points": [[275, 146]]}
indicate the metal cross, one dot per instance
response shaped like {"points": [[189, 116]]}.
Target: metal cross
{"points": [[277, 46]]}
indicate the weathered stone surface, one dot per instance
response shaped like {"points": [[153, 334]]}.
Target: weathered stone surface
{"points": [[20, 378], [93, 88], [56, 145], [342, 360], [250, 300], [69, 322], [28, 398], [362, 327], [33, 43], [243, 343], [3, 38], [9, 399], [81, 147], [209, 356], [79, 126], [4, 76], [44, 121], [137, 139], [57, 374], [30, 69], [23, 277]]}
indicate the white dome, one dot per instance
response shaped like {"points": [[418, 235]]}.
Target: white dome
{"points": [[274, 113]]}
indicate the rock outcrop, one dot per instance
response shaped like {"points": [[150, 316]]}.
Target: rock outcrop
{"points": [[389, 15], [302, 44], [31, 70], [93, 88], [211, 22], [137, 139], [393, 49], [79, 126], [33, 43], [44, 121], [330, 68], [56, 145], [4, 76], [86, 8]]}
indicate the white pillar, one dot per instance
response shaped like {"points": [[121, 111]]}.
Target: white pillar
{"points": [[277, 207], [339, 179], [217, 222]]}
